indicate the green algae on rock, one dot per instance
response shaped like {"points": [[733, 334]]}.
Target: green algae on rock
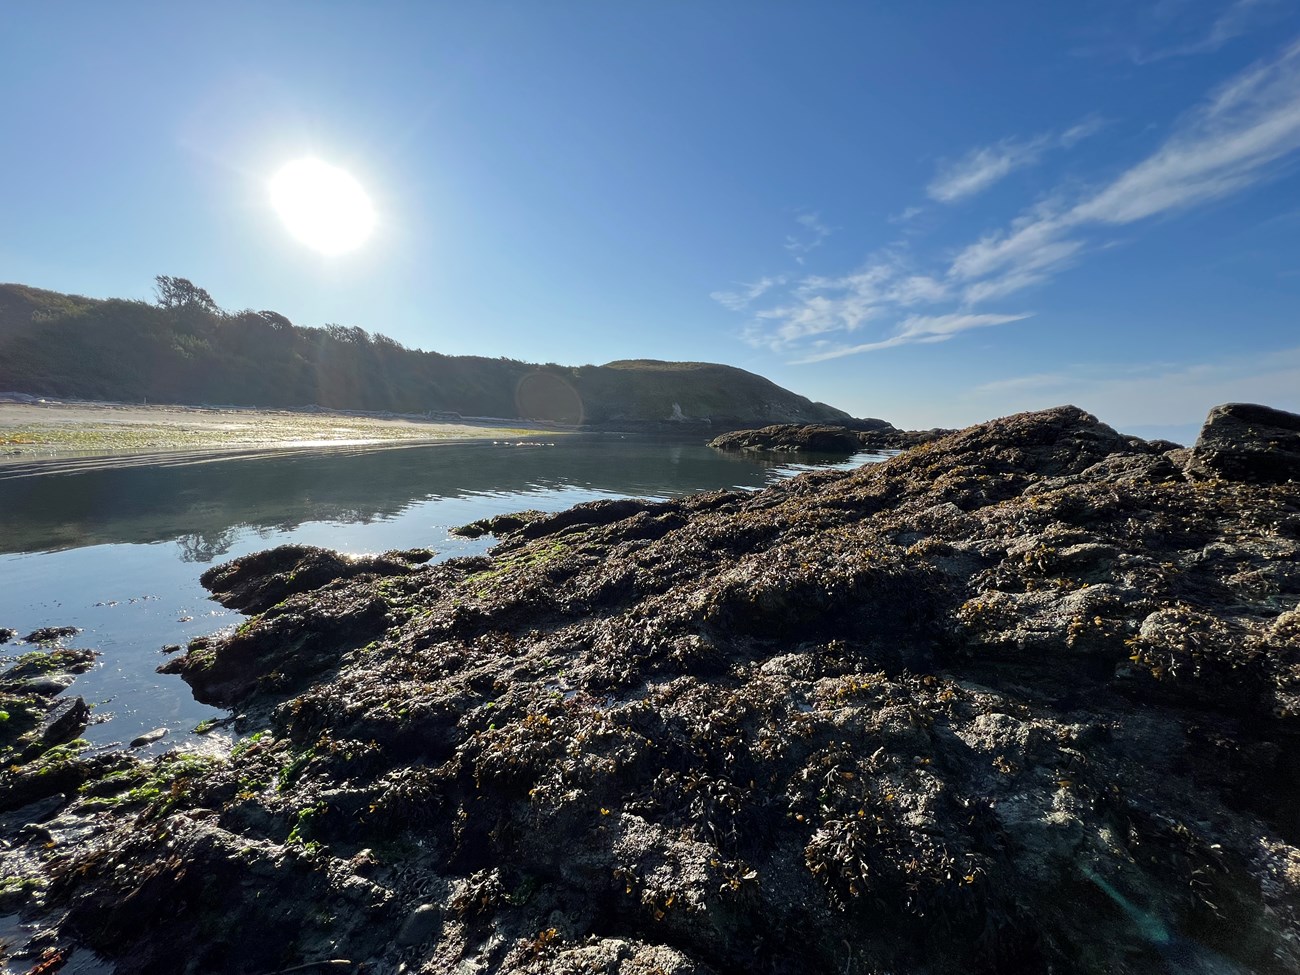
{"points": [[1025, 698]]}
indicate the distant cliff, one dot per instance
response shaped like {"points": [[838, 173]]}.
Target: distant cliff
{"points": [[186, 350]]}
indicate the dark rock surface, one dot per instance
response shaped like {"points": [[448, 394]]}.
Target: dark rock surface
{"points": [[821, 438], [1023, 699], [259, 581], [66, 719], [39, 730], [50, 634], [792, 438], [1243, 441]]}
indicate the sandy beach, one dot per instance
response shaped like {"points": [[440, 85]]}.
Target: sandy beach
{"points": [[61, 437]]}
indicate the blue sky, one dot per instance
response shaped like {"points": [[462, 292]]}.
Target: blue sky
{"points": [[931, 212]]}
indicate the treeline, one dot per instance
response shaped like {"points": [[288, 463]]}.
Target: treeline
{"points": [[185, 349]]}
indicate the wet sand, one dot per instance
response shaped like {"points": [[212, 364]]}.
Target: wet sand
{"points": [[43, 438]]}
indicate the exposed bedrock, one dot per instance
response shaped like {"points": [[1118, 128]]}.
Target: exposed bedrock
{"points": [[1025, 698], [1248, 442]]}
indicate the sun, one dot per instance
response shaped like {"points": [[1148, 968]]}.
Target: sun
{"points": [[322, 205]]}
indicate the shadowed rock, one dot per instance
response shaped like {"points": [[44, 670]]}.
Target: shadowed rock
{"points": [[1247, 442]]}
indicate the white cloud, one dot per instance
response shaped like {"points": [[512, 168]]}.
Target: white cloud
{"points": [[918, 328], [1083, 130], [1245, 132], [1228, 144], [982, 167], [1231, 142]]}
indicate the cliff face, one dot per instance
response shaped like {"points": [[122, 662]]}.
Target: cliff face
{"points": [[64, 345], [1025, 698]]}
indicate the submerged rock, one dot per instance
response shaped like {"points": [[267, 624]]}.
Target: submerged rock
{"points": [[1026, 698]]}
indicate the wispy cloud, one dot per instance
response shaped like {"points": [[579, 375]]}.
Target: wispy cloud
{"points": [[907, 214], [1230, 142], [746, 294], [1147, 34], [1224, 146], [982, 167], [812, 236], [817, 305], [1239, 18], [917, 328], [1243, 133]]}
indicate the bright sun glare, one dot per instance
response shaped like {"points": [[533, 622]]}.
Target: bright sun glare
{"points": [[323, 206]]}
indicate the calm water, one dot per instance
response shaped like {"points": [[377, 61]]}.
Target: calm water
{"points": [[118, 553]]}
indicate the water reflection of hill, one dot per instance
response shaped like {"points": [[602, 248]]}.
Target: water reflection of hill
{"points": [[204, 505]]}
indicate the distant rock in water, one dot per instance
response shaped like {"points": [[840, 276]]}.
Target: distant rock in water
{"points": [[825, 439], [1023, 699], [1246, 442], [792, 438]]}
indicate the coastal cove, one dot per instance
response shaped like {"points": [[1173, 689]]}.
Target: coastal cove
{"points": [[117, 552]]}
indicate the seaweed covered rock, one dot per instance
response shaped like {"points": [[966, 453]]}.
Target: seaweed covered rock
{"points": [[1025, 698], [259, 581]]}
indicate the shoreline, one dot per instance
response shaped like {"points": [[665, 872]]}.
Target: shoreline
{"points": [[65, 438]]}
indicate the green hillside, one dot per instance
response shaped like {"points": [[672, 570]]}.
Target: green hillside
{"points": [[187, 350]]}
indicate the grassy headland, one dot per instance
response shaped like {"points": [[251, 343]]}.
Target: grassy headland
{"points": [[192, 352]]}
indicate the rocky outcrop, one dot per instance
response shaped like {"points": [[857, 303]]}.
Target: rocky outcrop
{"points": [[257, 582], [792, 438], [1242, 441], [1025, 698], [39, 730], [823, 439]]}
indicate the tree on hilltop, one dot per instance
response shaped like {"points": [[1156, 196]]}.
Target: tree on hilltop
{"points": [[182, 293]]}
